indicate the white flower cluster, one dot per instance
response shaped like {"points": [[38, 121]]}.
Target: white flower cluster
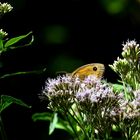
{"points": [[2, 34], [5, 8], [130, 44], [90, 94]]}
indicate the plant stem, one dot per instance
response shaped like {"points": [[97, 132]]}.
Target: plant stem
{"points": [[73, 128], [76, 119], [125, 92], [2, 131]]}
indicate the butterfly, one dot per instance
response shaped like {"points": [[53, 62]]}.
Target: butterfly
{"points": [[95, 69]]}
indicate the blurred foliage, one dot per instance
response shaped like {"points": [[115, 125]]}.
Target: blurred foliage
{"points": [[6, 101], [114, 6], [123, 8], [55, 34], [64, 63]]}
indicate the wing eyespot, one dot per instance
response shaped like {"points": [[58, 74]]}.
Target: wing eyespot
{"points": [[94, 68]]}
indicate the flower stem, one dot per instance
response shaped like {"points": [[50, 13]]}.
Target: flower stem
{"points": [[73, 128], [125, 92], [77, 119], [2, 131]]}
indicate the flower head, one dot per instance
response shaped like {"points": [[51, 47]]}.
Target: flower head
{"points": [[2, 34], [121, 66], [130, 45], [131, 51], [5, 8], [128, 109], [128, 68], [61, 91], [98, 98]]}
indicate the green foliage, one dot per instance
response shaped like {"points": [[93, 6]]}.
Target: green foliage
{"points": [[6, 101], [11, 43], [128, 67], [55, 121], [117, 88], [5, 45], [8, 44], [14, 40]]}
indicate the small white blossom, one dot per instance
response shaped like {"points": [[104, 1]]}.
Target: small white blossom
{"points": [[130, 44], [2, 34], [5, 8]]}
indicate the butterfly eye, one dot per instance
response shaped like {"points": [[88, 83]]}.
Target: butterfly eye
{"points": [[94, 68]]}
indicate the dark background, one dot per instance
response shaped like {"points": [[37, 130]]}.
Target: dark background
{"points": [[67, 34]]}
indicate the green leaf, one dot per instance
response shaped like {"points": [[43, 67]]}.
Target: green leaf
{"points": [[61, 124], [7, 100], [14, 47], [53, 123], [15, 40], [45, 116], [118, 87]]}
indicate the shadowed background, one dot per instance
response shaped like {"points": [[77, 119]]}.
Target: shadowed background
{"points": [[67, 34]]}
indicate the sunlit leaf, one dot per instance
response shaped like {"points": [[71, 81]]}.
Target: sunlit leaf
{"points": [[53, 123], [6, 100], [61, 124], [118, 87], [15, 40], [21, 46], [64, 125]]}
